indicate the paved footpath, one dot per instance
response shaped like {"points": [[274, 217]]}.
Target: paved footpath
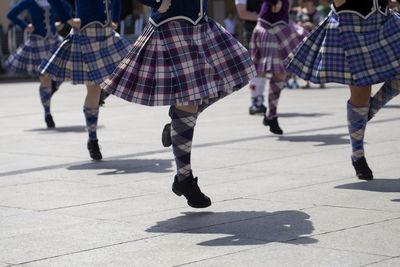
{"points": [[290, 200]]}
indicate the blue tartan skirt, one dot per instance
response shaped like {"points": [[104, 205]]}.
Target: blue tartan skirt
{"points": [[30, 55], [86, 56], [348, 49], [179, 63]]}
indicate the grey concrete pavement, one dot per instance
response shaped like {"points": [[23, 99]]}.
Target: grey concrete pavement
{"points": [[290, 200]]}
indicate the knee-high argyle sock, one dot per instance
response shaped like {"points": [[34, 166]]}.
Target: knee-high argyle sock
{"points": [[275, 88], [45, 97], [384, 95], [356, 123], [182, 128], [91, 116]]}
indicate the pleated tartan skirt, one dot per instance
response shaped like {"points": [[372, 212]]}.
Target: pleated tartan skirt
{"points": [[348, 49], [270, 45], [179, 63], [86, 56], [30, 55]]}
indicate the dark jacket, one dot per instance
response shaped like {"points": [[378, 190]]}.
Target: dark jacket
{"points": [[363, 8], [102, 11], [190, 10], [43, 22]]}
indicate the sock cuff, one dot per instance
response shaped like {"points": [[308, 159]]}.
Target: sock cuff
{"points": [[177, 113], [91, 111], [350, 106]]}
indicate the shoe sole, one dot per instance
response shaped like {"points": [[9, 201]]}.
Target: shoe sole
{"points": [[367, 178]]}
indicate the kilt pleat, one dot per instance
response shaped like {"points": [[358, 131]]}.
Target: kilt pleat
{"points": [[270, 45], [87, 56], [180, 63], [348, 49], [30, 55]]}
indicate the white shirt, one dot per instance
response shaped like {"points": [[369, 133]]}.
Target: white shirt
{"points": [[238, 2]]}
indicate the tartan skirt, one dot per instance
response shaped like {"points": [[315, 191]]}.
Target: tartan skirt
{"points": [[30, 55], [179, 63], [270, 45], [348, 49], [86, 56]]}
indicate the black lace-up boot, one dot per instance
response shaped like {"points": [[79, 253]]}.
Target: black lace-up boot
{"points": [[363, 172], [190, 189]]}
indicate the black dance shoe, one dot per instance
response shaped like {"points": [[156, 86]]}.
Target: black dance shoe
{"points": [[166, 135], [273, 125], [103, 97], [190, 189], [363, 172], [54, 87], [94, 150], [49, 121]]}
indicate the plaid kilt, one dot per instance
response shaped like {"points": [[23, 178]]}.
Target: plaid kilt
{"points": [[270, 45], [30, 55], [86, 56], [350, 50], [179, 63]]}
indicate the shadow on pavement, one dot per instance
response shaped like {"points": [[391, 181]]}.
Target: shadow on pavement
{"points": [[309, 115], [64, 129], [396, 200], [377, 185], [126, 166], [242, 227], [322, 139]]}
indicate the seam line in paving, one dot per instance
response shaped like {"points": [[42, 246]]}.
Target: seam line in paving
{"points": [[89, 203], [218, 143], [199, 228], [89, 249], [380, 261]]}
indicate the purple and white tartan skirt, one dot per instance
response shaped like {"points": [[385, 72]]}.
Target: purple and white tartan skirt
{"points": [[179, 63], [348, 49], [270, 45], [30, 55], [86, 56]]}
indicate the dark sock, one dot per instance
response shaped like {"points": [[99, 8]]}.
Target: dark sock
{"points": [[357, 122], [384, 95], [182, 128], [45, 97], [274, 93]]}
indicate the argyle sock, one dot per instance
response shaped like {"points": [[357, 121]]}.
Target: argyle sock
{"points": [[91, 116], [45, 97], [275, 88], [182, 128], [384, 95], [356, 123]]}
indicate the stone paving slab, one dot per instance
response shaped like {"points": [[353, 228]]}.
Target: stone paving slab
{"points": [[290, 200]]}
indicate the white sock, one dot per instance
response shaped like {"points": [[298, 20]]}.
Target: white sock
{"points": [[260, 90]]}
